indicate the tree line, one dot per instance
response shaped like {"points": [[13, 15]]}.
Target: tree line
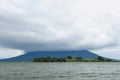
{"points": [[70, 59]]}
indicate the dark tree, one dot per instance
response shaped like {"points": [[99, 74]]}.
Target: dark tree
{"points": [[54, 59], [100, 58], [62, 59], [36, 60], [79, 59], [109, 60], [69, 57]]}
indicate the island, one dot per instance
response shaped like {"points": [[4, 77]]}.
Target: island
{"points": [[70, 59]]}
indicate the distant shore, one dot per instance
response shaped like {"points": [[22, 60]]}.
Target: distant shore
{"points": [[71, 59]]}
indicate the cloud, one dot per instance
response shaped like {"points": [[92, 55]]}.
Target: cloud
{"points": [[29, 25], [110, 52], [6, 53]]}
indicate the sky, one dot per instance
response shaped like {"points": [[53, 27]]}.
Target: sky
{"points": [[50, 25]]}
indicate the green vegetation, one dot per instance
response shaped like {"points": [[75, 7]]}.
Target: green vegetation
{"points": [[49, 59], [70, 59], [100, 59]]}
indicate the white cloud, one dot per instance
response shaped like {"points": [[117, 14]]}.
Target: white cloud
{"points": [[6, 53], [57, 25], [110, 52]]}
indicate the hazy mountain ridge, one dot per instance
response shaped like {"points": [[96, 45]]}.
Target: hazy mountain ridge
{"points": [[31, 55]]}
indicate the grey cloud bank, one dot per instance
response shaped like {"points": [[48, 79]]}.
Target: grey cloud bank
{"points": [[28, 25]]}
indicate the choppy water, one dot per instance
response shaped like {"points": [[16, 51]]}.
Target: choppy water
{"points": [[59, 71]]}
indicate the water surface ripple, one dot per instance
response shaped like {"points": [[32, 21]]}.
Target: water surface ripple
{"points": [[60, 71]]}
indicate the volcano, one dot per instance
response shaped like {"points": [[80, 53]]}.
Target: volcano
{"points": [[29, 56]]}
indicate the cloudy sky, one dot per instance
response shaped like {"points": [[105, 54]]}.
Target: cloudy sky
{"points": [[44, 25]]}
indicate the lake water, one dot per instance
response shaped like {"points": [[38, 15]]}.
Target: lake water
{"points": [[59, 71]]}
